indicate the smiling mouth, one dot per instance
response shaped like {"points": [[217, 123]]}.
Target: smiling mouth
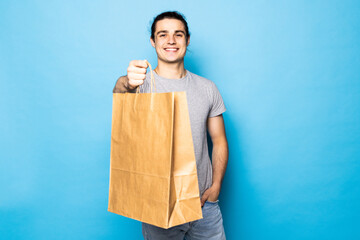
{"points": [[171, 49]]}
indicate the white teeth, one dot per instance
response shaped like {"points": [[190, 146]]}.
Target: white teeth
{"points": [[171, 49]]}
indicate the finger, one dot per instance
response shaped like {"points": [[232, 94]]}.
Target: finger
{"points": [[139, 63], [136, 76], [135, 83], [135, 69], [204, 198]]}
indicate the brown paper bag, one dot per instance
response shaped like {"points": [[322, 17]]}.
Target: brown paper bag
{"points": [[153, 176]]}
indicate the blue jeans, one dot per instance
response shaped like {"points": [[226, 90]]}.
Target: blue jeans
{"points": [[210, 227]]}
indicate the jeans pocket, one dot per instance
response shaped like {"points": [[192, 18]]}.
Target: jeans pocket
{"points": [[212, 202]]}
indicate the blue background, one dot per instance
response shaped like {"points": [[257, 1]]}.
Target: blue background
{"points": [[288, 71]]}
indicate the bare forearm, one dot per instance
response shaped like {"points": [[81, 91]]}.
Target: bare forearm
{"points": [[122, 86], [220, 157]]}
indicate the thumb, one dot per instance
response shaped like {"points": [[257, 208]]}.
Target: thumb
{"points": [[204, 197]]}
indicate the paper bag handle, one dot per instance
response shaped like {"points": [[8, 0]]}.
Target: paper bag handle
{"points": [[152, 80]]}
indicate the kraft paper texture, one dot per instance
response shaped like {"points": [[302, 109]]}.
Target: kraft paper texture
{"points": [[153, 175]]}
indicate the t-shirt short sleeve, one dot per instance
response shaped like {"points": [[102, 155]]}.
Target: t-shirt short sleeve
{"points": [[217, 105]]}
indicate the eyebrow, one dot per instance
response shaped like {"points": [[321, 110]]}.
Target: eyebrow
{"points": [[165, 31]]}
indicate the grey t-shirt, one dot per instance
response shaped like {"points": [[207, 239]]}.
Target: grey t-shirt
{"points": [[204, 101]]}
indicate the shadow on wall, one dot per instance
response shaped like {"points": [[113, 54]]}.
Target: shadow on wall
{"points": [[230, 198], [236, 187]]}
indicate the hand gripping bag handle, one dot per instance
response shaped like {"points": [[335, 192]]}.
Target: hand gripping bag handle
{"points": [[152, 80]]}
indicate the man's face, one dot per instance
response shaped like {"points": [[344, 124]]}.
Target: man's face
{"points": [[170, 42]]}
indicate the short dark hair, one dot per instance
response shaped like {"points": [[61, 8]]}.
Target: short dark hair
{"points": [[170, 15]]}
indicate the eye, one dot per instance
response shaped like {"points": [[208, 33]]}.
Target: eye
{"points": [[179, 35], [162, 35]]}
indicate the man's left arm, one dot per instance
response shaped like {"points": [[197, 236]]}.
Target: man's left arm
{"points": [[220, 154]]}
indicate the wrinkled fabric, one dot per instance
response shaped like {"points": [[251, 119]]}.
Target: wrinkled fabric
{"points": [[204, 101], [209, 228]]}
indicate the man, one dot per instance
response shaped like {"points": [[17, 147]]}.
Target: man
{"points": [[170, 37]]}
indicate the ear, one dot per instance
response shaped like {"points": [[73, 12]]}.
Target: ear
{"points": [[188, 41], [152, 42]]}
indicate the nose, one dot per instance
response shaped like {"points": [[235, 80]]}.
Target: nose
{"points": [[171, 39]]}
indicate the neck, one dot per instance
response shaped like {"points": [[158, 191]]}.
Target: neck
{"points": [[170, 70]]}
